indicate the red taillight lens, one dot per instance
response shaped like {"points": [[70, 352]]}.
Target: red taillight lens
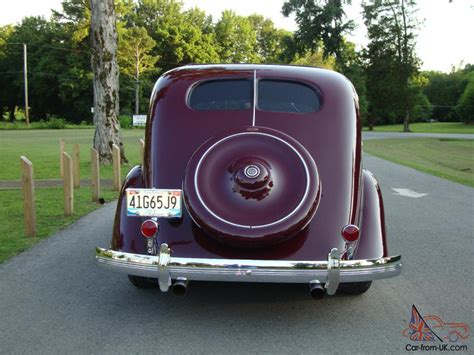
{"points": [[149, 228], [350, 233]]}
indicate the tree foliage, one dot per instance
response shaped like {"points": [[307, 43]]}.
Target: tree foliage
{"points": [[465, 107], [321, 24], [444, 90], [320, 37], [135, 59], [236, 38], [385, 73], [391, 58]]}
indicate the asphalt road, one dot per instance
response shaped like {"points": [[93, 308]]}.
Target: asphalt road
{"points": [[53, 299]]}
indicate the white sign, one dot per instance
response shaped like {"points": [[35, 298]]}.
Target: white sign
{"points": [[408, 193], [139, 120]]}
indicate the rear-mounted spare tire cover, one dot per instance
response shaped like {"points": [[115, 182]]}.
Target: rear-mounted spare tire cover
{"points": [[252, 187]]}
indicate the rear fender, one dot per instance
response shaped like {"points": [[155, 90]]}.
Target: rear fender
{"points": [[372, 242], [126, 235]]}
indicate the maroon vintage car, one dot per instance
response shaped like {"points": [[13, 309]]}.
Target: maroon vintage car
{"points": [[252, 173]]}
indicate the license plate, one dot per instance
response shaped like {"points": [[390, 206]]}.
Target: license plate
{"points": [[154, 203]]}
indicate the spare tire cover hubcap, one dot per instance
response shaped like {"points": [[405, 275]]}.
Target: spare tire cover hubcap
{"points": [[251, 187]]}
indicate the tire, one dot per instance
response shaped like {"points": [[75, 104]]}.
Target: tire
{"points": [[355, 288], [143, 282]]}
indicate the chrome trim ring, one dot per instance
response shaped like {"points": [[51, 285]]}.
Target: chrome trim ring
{"points": [[262, 225]]}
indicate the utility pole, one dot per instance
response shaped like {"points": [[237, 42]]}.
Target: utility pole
{"points": [[25, 72], [137, 84]]}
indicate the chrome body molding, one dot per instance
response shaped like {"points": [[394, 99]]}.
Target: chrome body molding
{"points": [[330, 272]]}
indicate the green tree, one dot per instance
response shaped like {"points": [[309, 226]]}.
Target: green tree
{"points": [[391, 58], [134, 56], [465, 107], [315, 59], [7, 96], [321, 23], [271, 41], [76, 82], [47, 64], [444, 91], [181, 37], [236, 39], [421, 107], [321, 28], [350, 63]]}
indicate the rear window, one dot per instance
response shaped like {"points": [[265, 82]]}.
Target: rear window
{"points": [[286, 96], [222, 95]]}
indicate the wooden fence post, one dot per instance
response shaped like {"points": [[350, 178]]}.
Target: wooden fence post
{"points": [[95, 171], [75, 158], [142, 150], [61, 160], [28, 196], [116, 166], [68, 186]]}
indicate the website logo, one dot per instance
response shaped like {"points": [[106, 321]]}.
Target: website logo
{"points": [[434, 330]]}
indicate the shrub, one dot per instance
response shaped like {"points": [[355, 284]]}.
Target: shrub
{"points": [[51, 123], [125, 121], [54, 123]]}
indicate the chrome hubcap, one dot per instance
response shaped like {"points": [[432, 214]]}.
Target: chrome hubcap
{"points": [[252, 171]]}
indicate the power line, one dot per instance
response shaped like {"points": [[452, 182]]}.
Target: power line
{"points": [[42, 45]]}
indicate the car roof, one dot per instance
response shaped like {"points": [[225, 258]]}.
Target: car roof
{"points": [[275, 68]]}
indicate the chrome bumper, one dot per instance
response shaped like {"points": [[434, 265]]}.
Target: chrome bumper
{"points": [[330, 272]]}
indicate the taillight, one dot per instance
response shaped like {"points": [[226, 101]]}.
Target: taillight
{"points": [[350, 233], [149, 228]]}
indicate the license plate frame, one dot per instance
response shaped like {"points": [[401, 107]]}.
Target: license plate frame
{"points": [[165, 203]]}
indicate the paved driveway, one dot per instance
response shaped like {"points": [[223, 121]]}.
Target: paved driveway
{"points": [[55, 300]]}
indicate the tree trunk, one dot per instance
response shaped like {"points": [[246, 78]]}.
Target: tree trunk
{"points": [[106, 79], [11, 113], [406, 122], [370, 121], [137, 97]]}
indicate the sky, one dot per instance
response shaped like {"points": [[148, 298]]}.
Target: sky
{"points": [[444, 37]]}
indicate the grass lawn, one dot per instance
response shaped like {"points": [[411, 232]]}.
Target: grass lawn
{"points": [[42, 148], [423, 127], [452, 159], [49, 216]]}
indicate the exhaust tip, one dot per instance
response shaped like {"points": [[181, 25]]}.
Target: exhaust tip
{"points": [[316, 290], [180, 287]]}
